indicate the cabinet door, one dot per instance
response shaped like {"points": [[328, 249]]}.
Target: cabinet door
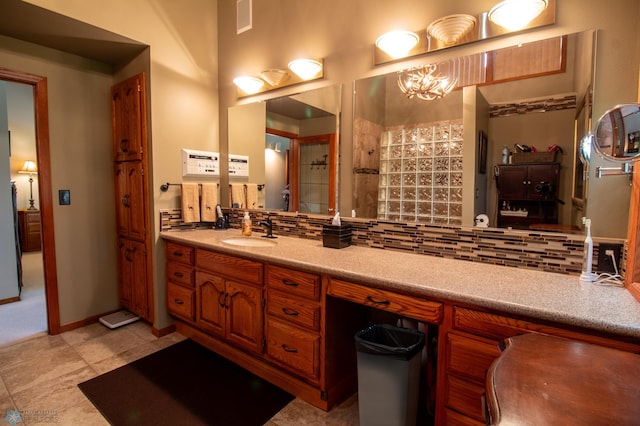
{"points": [[210, 305], [544, 181], [130, 203], [127, 112], [134, 290], [244, 315], [512, 181]]}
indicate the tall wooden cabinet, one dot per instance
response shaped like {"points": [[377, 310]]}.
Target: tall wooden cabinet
{"points": [[129, 131], [527, 194]]}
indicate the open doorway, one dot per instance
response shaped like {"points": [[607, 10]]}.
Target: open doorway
{"points": [[47, 257], [26, 315]]}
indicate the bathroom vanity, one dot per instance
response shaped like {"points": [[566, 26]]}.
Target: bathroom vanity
{"points": [[289, 311]]}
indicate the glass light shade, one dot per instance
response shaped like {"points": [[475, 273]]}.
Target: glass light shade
{"points": [[274, 77], [306, 69], [516, 14], [249, 85], [451, 29], [397, 44], [29, 167]]}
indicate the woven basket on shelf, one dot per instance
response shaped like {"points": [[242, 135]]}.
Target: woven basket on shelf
{"points": [[533, 157]]}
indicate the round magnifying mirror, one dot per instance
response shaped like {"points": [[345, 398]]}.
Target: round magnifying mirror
{"points": [[617, 135]]}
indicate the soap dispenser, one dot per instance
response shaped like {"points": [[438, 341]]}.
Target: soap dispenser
{"points": [[246, 225]]}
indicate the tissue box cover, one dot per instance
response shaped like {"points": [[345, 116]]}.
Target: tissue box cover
{"points": [[336, 236]]}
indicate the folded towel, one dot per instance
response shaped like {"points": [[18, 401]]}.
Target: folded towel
{"points": [[238, 199], [209, 202], [252, 195], [190, 203]]}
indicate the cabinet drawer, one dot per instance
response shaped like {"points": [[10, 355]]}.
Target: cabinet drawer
{"points": [[181, 301], [452, 418], [465, 397], [470, 357], [181, 273], [292, 310], [293, 282], [231, 266], [408, 306], [179, 253], [294, 348]]}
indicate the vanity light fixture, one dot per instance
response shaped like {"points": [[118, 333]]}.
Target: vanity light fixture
{"points": [[425, 83], [249, 85], [398, 43], [274, 77], [306, 69], [516, 14], [451, 29]]}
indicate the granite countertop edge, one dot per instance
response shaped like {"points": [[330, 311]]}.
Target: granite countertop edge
{"points": [[548, 296]]}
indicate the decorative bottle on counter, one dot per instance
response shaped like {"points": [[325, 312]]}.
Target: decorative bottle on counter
{"points": [[246, 225]]}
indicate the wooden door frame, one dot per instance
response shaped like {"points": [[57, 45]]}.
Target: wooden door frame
{"points": [[41, 115]]}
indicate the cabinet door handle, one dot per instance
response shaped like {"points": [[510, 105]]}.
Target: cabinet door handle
{"points": [[127, 255], [289, 283], [124, 145], [178, 274], [178, 302], [378, 302], [289, 312], [290, 350], [125, 200], [226, 297], [220, 301]]}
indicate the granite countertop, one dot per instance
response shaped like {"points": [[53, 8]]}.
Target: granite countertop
{"points": [[536, 294]]}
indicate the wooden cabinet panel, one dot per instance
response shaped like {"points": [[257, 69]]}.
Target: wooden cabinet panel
{"points": [[181, 274], [451, 418], [179, 253], [210, 307], [465, 397], [132, 267], [180, 301], [230, 266], [130, 202], [127, 111], [409, 306], [296, 349], [29, 226], [470, 357], [289, 309], [296, 283], [243, 303]]}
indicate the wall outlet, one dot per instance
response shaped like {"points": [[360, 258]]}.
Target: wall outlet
{"points": [[605, 262]]}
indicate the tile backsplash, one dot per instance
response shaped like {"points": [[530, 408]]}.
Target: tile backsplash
{"points": [[546, 251]]}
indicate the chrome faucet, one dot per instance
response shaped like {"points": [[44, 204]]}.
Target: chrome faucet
{"points": [[268, 224]]}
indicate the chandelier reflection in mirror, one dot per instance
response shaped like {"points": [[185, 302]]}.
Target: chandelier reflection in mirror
{"points": [[425, 82]]}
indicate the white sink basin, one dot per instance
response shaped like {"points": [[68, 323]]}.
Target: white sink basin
{"points": [[249, 242]]}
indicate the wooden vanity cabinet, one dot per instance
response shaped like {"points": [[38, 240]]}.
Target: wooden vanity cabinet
{"points": [[228, 307], [29, 225], [469, 343], [293, 310]]}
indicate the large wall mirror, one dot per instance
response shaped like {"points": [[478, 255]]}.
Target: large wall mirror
{"points": [[292, 145], [439, 161]]}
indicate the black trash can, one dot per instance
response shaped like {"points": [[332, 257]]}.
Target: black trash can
{"points": [[388, 375]]}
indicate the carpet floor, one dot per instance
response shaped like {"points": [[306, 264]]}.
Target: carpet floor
{"points": [[184, 384]]}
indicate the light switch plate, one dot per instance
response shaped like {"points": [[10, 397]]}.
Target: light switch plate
{"points": [[64, 197]]}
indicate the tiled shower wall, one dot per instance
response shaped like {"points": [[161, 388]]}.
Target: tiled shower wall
{"points": [[421, 173], [550, 252]]}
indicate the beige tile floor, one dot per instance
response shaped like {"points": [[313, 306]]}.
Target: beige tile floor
{"points": [[39, 377]]}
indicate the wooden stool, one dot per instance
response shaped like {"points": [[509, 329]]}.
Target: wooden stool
{"points": [[542, 380]]}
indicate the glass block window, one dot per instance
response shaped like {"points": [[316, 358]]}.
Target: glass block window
{"points": [[421, 174]]}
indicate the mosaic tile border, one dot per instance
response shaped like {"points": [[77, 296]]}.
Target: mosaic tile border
{"points": [[544, 251]]}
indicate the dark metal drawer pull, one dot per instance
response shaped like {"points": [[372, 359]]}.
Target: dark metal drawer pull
{"points": [[289, 312], [289, 283], [177, 253], [178, 274], [290, 350], [178, 302], [378, 302]]}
